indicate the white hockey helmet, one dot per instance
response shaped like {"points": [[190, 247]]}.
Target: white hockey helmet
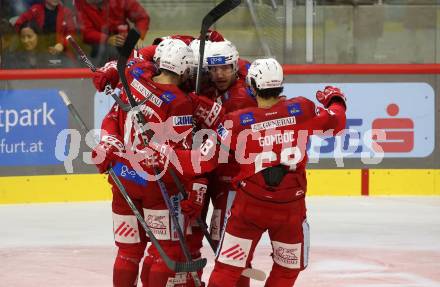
{"points": [[222, 53], [267, 74], [162, 45], [177, 57], [195, 46]]}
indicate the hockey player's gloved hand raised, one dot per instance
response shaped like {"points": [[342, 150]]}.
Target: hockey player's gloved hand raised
{"points": [[193, 205], [106, 152], [106, 75], [329, 95], [214, 36]]}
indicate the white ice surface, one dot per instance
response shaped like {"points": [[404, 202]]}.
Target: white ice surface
{"points": [[355, 242]]}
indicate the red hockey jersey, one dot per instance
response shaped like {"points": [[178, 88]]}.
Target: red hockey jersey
{"points": [[268, 143], [165, 108]]}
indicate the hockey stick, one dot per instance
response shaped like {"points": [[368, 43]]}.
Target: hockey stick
{"points": [[80, 53], [108, 89], [124, 53], [173, 265], [216, 13]]}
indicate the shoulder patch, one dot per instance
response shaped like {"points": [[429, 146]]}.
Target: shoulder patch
{"points": [[247, 119], [137, 73], [167, 97], [294, 109]]}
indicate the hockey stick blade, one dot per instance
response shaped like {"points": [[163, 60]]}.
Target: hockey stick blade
{"points": [[254, 274], [125, 52], [219, 11], [130, 42]]}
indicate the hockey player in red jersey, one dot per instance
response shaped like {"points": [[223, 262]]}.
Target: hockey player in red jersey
{"points": [[226, 87], [269, 142], [232, 94], [165, 106]]}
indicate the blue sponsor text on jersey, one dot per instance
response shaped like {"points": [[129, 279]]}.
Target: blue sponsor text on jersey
{"points": [[186, 120]]}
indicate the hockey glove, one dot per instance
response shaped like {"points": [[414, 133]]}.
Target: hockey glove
{"points": [[106, 152], [214, 36], [193, 205], [329, 95], [106, 75]]}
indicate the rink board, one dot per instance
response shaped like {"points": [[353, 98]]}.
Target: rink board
{"points": [[26, 179], [321, 182]]}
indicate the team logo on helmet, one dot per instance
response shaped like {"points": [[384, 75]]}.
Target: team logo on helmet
{"points": [[219, 60]]}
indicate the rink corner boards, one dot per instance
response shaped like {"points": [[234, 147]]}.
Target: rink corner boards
{"points": [[321, 182]]}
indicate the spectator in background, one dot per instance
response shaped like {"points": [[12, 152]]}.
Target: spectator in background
{"points": [[54, 20], [104, 25], [30, 52], [33, 52]]}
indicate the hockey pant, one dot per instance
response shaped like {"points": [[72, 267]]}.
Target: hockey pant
{"points": [[159, 220], [131, 240], [222, 197], [250, 218]]}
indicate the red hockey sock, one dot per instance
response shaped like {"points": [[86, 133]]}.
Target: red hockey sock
{"points": [[243, 282], [224, 275], [281, 277], [125, 271], [146, 267]]}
